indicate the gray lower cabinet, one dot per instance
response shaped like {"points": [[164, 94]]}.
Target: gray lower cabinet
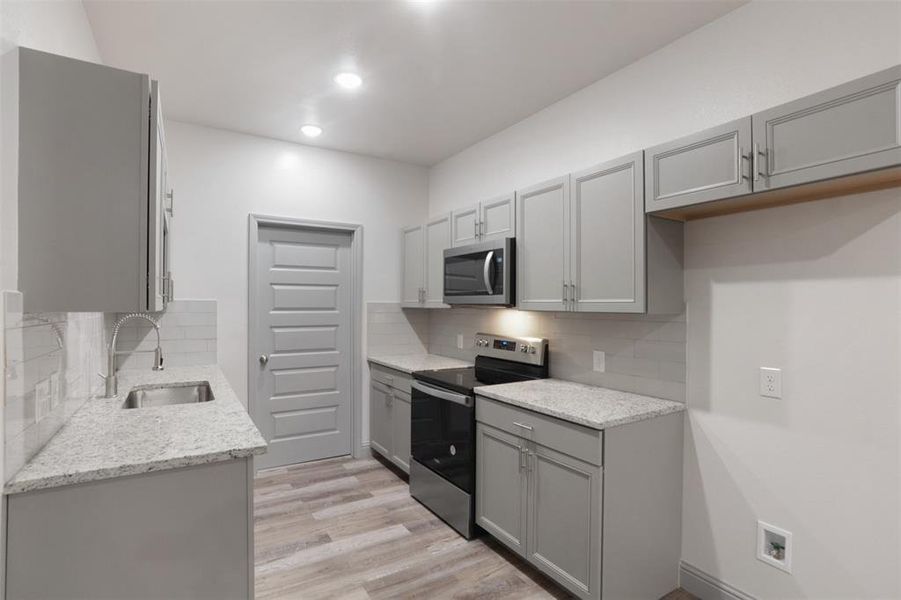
{"points": [[178, 534], [400, 429], [599, 512], [709, 165], [501, 483], [851, 128], [390, 415], [92, 200], [565, 519]]}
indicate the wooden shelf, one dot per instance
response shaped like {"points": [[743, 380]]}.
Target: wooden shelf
{"points": [[830, 188]]}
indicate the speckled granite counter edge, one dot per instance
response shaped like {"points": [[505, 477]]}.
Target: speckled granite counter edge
{"points": [[156, 466], [674, 407], [389, 362]]}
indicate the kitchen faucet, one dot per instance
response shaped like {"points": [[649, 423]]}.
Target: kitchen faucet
{"points": [[110, 377]]}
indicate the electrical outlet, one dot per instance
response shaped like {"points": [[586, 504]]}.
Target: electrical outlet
{"points": [[459, 341], [599, 361], [770, 382]]}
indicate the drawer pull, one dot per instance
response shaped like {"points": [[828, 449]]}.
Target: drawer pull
{"points": [[526, 427]]}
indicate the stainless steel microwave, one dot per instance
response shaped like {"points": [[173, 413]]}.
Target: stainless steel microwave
{"points": [[482, 273]]}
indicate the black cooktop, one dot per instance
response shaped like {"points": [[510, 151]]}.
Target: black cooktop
{"points": [[487, 371]]}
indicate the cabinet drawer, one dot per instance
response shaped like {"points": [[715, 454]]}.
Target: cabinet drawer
{"points": [[575, 440], [390, 377]]}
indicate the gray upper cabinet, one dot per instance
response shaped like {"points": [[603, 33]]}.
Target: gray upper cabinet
{"points": [[542, 259], [465, 225], [413, 285], [498, 218], [607, 237], [710, 165], [848, 129], [488, 220], [437, 239], [92, 186]]}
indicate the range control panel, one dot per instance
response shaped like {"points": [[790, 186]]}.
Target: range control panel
{"points": [[521, 349]]}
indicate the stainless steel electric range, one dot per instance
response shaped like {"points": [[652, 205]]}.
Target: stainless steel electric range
{"points": [[443, 428]]}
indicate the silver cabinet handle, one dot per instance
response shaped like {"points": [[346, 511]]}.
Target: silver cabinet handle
{"points": [[264, 359], [758, 154], [526, 427], [481, 229], [522, 458], [486, 272], [565, 295], [572, 295], [475, 229], [171, 208], [742, 157]]}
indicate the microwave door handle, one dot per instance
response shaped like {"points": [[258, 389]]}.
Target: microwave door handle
{"points": [[486, 272]]}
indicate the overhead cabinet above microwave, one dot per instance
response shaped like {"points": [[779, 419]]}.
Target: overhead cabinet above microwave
{"points": [[489, 220], [853, 130], [92, 202]]}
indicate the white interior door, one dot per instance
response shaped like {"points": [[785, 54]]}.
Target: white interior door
{"points": [[304, 317]]}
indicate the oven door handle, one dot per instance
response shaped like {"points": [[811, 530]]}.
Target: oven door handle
{"points": [[443, 394]]}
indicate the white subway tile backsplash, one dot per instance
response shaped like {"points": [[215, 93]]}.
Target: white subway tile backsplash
{"points": [[188, 336], [51, 361]]}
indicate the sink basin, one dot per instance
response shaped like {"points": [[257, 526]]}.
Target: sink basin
{"points": [[169, 393]]}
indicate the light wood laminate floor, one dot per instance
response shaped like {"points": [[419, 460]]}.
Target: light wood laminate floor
{"points": [[345, 528]]}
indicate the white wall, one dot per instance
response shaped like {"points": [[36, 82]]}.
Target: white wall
{"points": [[813, 289], [220, 177]]}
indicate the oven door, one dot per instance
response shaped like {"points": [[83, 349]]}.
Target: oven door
{"points": [[442, 433], [480, 273]]}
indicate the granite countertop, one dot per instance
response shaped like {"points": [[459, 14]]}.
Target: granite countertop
{"points": [[418, 362], [103, 440], [588, 405]]}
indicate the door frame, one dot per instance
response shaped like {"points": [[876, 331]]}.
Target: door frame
{"points": [[254, 222]]}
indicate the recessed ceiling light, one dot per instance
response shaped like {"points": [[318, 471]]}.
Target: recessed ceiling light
{"points": [[311, 130], [348, 81]]}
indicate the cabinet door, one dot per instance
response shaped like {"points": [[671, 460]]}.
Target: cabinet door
{"points": [[465, 224], [607, 237], [400, 429], [380, 427], [702, 167], [848, 129], [414, 266], [498, 218], [501, 486], [157, 236], [542, 258], [437, 239], [564, 534]]}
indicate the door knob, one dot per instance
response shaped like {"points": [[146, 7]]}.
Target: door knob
{"points": [[264, 358]]}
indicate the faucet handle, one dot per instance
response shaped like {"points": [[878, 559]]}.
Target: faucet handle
{"points": [[102, 376], [158, 359]]}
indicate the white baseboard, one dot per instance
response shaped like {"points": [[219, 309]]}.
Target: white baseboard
{"points": [[707, 587]]}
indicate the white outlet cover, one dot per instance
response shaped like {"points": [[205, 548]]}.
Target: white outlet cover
{"points": [[770, 382], [599, 361], [41, 400], [459, 341], [765, 531]]}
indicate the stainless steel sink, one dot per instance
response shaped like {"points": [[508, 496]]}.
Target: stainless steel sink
{"points": [[169, 393]]}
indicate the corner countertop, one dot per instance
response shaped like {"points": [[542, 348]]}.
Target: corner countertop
{"points": [[103, 440], [418, 362], [588, 405]]}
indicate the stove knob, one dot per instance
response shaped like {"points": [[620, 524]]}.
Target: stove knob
{"points": [[523, 349], [531, 349]]}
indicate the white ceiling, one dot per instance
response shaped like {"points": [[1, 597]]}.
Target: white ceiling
{"points": [[437, 76]]}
